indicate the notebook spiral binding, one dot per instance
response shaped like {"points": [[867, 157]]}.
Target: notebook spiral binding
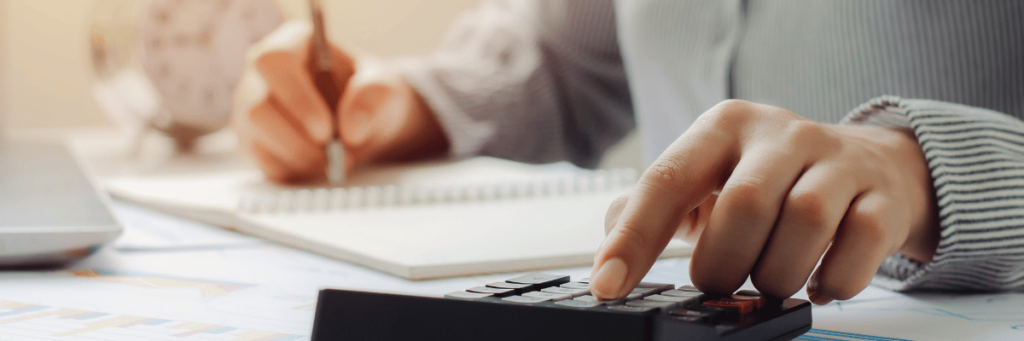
{"points": [[334, 199]]}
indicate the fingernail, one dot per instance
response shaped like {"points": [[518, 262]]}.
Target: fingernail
{"points": [[608, 280], [813, 295], [818, 299], [321, 131]]}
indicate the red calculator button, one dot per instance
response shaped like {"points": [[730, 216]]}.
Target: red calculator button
{"points": [[758, 301], [742, 307]]}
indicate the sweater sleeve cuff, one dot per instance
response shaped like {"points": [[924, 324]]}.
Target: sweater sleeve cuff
{"points": [[973, 253], [466, 135]]}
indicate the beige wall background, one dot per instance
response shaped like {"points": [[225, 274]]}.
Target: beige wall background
{"points": [[3, 63], [45, 75], [48, 69]]}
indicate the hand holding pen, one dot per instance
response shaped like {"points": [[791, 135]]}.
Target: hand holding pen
{"points": [[287, 121]]}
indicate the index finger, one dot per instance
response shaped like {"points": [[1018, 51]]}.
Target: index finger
{"points": [[290, 82], [282, 59], [683, 177]]}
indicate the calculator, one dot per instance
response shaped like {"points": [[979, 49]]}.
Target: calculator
{"points": [[540, 306]]}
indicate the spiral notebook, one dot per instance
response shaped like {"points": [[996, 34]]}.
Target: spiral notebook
{"points": [[421, 221]]}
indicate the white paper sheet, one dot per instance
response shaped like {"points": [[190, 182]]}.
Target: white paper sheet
{"points": [[148, 230]]}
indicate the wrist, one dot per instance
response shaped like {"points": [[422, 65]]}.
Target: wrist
{"points": [[919, 206], [923, 238]]}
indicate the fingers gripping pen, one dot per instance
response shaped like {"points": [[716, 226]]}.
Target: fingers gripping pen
{"points": [[321, 66]]}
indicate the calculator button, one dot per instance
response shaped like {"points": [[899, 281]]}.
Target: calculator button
{"points": [[749, 293], [576, 285], [634, 296], [645, 291], [723, 313], [688, 288], [664, 298], [660, 286], [653, 304], [549, 296], [589, 298], [695, 316], [540, 280], [679, 293], [465, 295], [519, 288], [758, 301], [494, 291], [524, 299], [578, 304], [741, 307], [567, 291], [632, 309]]}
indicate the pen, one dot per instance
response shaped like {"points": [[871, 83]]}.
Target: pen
{"points": [[321, 65]]}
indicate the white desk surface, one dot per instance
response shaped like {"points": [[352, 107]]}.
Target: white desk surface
{"points": [[169, 278], [173, 279]]}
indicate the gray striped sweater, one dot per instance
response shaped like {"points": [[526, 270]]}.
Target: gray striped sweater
{"points": [[548, 80]]}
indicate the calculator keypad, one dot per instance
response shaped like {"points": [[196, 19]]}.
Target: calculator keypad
{"points": [[524, 299], [540, 280], [567, 291], [498, 292], [518, 288], [576, 285], [547, 295], [684, 303]]}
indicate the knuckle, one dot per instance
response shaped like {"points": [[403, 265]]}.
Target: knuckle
{"points": [[726, 114], [803, 132], [667, 173], [812, 134], [810, 207], [734, 105], [870, 228], [748, 195]]}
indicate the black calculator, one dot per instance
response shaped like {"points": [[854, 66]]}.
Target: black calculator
{"points": [[541, 306]]}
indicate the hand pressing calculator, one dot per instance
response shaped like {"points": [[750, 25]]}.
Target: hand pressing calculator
{"points": [[540, 306]]}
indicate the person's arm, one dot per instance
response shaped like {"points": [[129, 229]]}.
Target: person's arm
{"points": [[533, 81], [976, 158], [910, 194]]}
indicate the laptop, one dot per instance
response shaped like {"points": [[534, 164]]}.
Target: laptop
{"points": [[50, 214]]}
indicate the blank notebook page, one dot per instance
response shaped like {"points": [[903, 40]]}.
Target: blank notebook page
{"points": [[450, 237]]}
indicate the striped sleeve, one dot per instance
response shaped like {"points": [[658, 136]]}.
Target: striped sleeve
{"points": [[533, 81], [976, 157]]}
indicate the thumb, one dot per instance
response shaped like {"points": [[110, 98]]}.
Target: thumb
{"points": [[370, 98]]}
